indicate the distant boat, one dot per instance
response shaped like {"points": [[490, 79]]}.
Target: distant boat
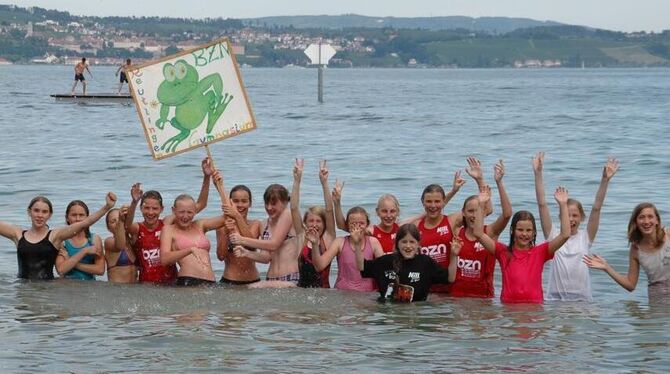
{"points": [[95, 98]]}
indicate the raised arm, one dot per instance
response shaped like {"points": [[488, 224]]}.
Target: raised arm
{"points": [[501, 222], [69, 231], [609, 170], [132, 227], [478, 231], [337, 203], [561, 196], [455, 218], [474, 170], [203, 196], [329, 232], [545, 216], [296, 216], [10, 231], [120, 236], [628, 281]]}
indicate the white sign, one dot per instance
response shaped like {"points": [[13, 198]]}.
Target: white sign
{"points": [[191, 99], [320, 54]]}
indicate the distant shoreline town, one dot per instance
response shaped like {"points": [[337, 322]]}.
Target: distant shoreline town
{"points": [[41, 36]]}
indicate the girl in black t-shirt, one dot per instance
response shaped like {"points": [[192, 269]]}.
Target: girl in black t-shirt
{"points": [[406, 275]]}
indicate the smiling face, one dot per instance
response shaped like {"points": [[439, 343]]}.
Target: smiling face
{"points": [[387, 211], [433, 203], [524, 234], [575, 217], [151, 211], [408, 247], [184, 211], [647, 222], [39, 213], [241, 201]]}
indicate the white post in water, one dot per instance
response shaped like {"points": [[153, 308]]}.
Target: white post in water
{"points": [[319, 55]]}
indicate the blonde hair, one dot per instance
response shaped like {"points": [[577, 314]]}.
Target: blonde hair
{"points": [[388, 196], [317, 211], [579, 207]]}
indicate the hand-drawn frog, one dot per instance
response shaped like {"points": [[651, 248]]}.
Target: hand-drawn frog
{"points": [[192, 98]]}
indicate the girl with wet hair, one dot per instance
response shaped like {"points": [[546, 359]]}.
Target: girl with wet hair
{"points": [[37, 247], [522, 261], [405, 269], [81, 256], [569, 277], [649, 250]]}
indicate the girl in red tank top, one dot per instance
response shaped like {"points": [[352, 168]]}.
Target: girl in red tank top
{"points": [[387, 210], [474, 276]]}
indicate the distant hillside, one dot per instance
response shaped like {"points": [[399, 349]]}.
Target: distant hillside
{"points": [[492, 25]]}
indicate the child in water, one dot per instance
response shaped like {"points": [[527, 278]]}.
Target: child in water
{"points": [[522, 261]]}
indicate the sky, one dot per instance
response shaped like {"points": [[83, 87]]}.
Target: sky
{"points": [[619, 15]]}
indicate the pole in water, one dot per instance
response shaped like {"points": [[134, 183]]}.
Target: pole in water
{"points": [[319, 55], [320, 83]]}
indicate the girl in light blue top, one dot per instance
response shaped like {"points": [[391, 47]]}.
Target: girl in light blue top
{"points": [[81, 256]]}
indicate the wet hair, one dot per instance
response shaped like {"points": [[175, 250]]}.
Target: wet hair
{"points": [[128, 61], [108, 215], [152, 194], [82, 204], [403, 231], [522, 215], [465, 203], [276, 192], [634, 234], [182, 197], [357, 210], [316, 210], [83, 59], [432, 188], [388, 196], [579, 207], [240, 187], [41, 199]]}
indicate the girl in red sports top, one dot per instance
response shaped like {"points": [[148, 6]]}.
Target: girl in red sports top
{"points": [[317, 221], [474, 274], [436, 229], [145, 235]]}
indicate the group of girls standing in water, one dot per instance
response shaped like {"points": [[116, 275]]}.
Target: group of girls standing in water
{"points": [[453, 254]]}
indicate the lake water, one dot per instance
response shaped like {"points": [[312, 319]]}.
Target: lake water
{"points": [[381, 131]]}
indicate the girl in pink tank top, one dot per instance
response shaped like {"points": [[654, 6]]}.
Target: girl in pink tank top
{"points": [[348, 275]]}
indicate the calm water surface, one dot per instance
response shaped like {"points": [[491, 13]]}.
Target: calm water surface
{"points": [[381, 131]]}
